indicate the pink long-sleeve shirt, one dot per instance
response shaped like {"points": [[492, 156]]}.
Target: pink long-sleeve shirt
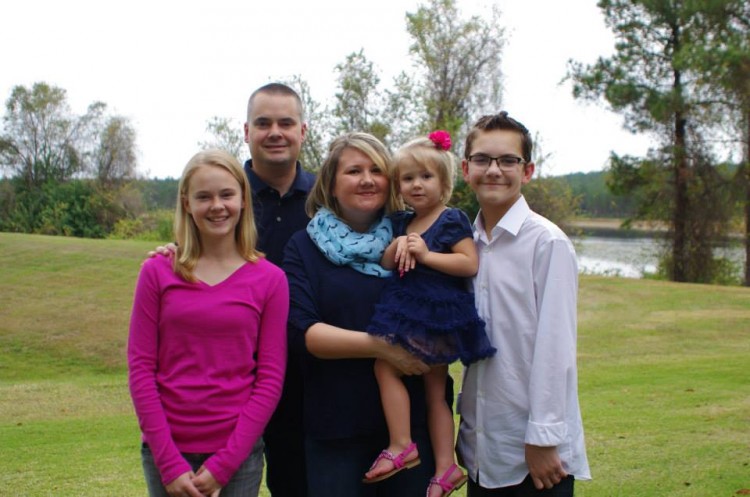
{"points": [[206, 363]]}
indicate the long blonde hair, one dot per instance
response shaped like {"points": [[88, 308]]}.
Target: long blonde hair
{"points": [[321, 194], [186, 232]]}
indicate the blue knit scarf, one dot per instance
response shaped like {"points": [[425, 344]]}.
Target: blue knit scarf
{"points": [[345, 247]]}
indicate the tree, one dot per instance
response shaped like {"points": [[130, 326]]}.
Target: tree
{"points": [[649, 82], [66, 169], [404, 111], [226, 134], [313, 151], [114, 158], [723, 60], [459, 62], [42, 140], [356, 105]]}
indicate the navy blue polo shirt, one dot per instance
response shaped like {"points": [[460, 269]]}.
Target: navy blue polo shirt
{"points": [[277, 218]]}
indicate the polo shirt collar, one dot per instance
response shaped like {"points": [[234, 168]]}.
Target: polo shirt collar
{"points": [[301, 182]]}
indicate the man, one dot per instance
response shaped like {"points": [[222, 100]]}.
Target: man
{"points": [[275, 130], [521, 432]]}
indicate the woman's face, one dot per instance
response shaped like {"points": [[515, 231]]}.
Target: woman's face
{"points": [[361, 189]]}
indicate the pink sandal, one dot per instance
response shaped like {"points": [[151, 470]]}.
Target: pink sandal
{"points": [[398, 463], [445, 483]]}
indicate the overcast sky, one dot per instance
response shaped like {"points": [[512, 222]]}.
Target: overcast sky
{"points": [[171, 65]]}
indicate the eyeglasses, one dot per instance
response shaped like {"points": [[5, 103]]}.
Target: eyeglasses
{"points": [[504, 162]]}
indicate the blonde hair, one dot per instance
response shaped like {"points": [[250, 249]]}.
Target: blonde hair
{"points": [[423, 151], [321, 194], [186, 232]]}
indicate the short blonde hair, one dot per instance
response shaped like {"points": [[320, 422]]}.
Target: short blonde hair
{"points": [[186, 232], [422, 151], [321, 194]]}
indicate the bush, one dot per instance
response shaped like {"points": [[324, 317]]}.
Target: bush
{"points": [[154, 226], [72, 208]]}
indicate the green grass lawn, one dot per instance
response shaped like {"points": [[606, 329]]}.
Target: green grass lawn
{"points": [[664, 379]]}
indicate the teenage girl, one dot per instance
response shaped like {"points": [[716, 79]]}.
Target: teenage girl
{"points": [[207, 345], [426, 308]]}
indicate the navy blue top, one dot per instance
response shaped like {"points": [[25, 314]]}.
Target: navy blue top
{"points": [[341, 397], [278, 218]]}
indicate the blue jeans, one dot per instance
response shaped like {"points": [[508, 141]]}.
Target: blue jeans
{"points": [[244, 483], [335, 468], [524, 489]]}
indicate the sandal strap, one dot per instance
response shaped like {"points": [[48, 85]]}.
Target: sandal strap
{"points": [[398, 461], [444, 480], [384, 454]]}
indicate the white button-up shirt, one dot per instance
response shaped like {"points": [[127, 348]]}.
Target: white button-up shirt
{"points": [[526, 291]]}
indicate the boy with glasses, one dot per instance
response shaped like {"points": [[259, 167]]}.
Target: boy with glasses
{"points": [[521, 431]]}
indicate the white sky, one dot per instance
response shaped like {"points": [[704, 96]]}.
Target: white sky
{"points": [[171, 65]]}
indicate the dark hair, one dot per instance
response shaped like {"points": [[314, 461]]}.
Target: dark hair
{"points": [[501, 120], [277, 89]]}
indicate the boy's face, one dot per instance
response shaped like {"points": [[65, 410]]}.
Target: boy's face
{"points": [[497, 188]]}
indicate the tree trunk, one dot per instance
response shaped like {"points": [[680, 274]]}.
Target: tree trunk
{"points": [[680, 258], [746, 165]]}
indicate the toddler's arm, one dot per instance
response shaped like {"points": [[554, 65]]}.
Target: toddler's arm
{"points": [[462, 261]]}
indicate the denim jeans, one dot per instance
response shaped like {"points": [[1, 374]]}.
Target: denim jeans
{"points": [[524, 489], [244, 483], [335, 468]]}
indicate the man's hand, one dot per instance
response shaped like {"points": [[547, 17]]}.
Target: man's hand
{"points": [[167, 250], [545, 467]]}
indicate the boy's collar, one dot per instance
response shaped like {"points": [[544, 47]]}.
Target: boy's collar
{"points": [[511, 221]]}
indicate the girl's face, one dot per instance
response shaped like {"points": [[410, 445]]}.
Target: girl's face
{"points": [[420, 186], [361, 188], [214, 200]]}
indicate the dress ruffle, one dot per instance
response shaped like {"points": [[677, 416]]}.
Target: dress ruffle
{"points": [[431, 314]]}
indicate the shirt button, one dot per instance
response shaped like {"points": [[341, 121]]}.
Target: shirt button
{"points": [[278, 219]]}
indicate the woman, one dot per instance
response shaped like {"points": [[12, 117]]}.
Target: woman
{"points": [[207, 344], [335, 281]]}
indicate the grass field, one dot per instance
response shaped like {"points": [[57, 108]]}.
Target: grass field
{"points": [[664, 378]]}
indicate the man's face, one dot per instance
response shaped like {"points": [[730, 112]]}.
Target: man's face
{"points": [[274, 130], [496, 188]]}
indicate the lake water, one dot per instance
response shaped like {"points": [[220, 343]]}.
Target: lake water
{"points": [[630, 257]]}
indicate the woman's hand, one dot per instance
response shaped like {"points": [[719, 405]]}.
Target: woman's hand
{"points": [[206, 483], [182, 486], [402, 360]]}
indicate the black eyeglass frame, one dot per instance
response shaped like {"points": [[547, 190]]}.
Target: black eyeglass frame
{"points": [[505, 162]]}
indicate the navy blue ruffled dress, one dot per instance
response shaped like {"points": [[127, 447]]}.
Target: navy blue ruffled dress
{"points": [[429, 313]]}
